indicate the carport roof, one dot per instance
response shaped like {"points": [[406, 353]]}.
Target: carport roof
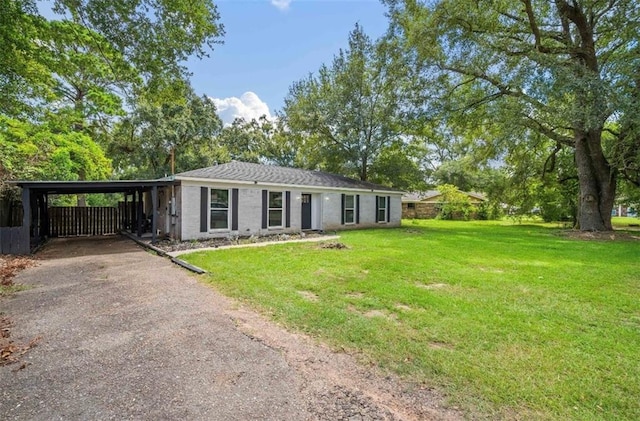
{"points": [[80, 187]]}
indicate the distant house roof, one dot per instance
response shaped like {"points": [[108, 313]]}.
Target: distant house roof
{"points": [[271, 174], [432, 194]]}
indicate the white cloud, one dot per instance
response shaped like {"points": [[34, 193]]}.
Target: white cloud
{"points": [[281, 4], [248, 106]]}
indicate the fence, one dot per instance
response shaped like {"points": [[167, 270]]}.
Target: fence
{"points": [[14, 240], [74, 221]]}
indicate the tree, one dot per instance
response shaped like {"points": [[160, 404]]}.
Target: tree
{"points": [[156, 37], [23, 75], [262, 140], [244, 140], [347, 113], [90, 77], [455, 204], [562, 70], [185, 130], [37, 152]]}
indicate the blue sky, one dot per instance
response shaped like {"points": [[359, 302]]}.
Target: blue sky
{"points": [[269, 44]]}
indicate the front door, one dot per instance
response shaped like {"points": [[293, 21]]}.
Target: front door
{"points": [[306, 211]]}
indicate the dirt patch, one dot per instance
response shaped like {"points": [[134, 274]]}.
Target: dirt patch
{"points": [[413, 231], [339, 387], [333, 245], [357, 295], [403, 307], [308, 295], [440, 345], [599, 235], [432, 286], [375, 313]]}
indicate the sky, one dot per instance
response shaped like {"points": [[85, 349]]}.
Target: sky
{"points": [[270, 44]]}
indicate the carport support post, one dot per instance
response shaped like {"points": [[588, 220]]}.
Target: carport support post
{"points": [[125, 212], [134, 209], [26, 212], [139, 213], [154, 219]]}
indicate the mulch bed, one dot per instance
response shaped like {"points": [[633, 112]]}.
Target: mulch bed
{"points": [[600, 235], [174, 245]]}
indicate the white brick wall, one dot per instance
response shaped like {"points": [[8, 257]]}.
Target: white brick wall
{"points": [[250, 211], [332, 216]]}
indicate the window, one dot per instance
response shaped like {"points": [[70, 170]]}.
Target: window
{"points": [[349, 209], [275, 209], [219, 209], [382, 209], [411, 205]]}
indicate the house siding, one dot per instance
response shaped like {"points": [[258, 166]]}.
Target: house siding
{"points": [[429, 208], [250, 210], [421, 210], [332, 211]]}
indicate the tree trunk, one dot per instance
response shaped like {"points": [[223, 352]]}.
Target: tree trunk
{"points": [[597, 182], [363, 170]]}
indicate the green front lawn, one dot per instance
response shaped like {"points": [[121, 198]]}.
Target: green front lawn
{"points": [[511, 321]]}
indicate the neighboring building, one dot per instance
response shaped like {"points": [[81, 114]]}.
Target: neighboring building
{"points": [[624, 210], [245, 199], [427, 205]]}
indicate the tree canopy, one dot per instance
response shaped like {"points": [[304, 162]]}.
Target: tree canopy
{"points": [[563, 70], [347, 115], [71, 84]]}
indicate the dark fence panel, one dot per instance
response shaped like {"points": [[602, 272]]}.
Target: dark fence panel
{"points": [[68, 221], [14, 240]]}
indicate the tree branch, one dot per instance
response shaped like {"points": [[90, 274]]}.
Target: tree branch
{"points": [[547, 131]]}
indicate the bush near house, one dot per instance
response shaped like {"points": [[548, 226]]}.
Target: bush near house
{"points": [[455, 204]]}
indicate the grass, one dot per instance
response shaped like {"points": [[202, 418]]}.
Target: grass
{"points": [[511, 321], [7, 290], [624, 222]]}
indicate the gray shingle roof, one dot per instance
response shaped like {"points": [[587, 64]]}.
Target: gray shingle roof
{"points": [[244, 171]]}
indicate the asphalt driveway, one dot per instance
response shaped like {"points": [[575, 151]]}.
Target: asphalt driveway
{"points": [[126, 334]]}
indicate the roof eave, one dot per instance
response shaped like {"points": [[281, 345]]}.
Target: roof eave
{"points": [[285, 185]]}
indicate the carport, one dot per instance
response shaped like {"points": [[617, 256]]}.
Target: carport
{"points": [[35, 205]]}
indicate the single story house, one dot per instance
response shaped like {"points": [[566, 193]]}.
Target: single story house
{"points": [[426, 205], [234, 199], [243, 199]]}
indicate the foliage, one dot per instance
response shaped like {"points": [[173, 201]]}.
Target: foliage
{"points": [[65, 82], [90, 77], [454, 203], [515, 69], [23, 75], [346, 114], [36, 152], [144, 141], [493, 315], [155, 37]]}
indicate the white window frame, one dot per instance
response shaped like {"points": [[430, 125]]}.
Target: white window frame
{"points": [[379, 208], [352, 209], [228, 209], [281, 209]]}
